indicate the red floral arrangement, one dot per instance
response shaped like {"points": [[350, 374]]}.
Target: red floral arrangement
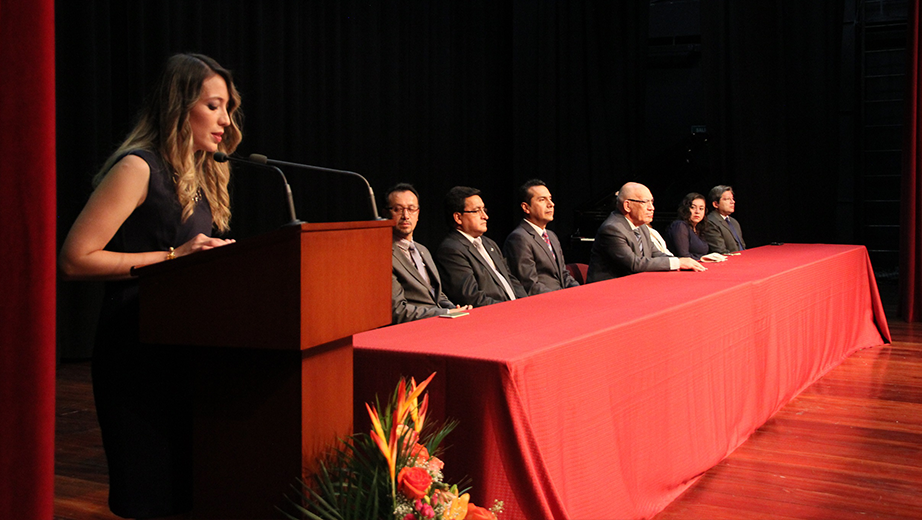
{"points": [[391, 472]]}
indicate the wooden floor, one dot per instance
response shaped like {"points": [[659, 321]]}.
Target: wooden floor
{"points": [[80, 478], [848, 447]]}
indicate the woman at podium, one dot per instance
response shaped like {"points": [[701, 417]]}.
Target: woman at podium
{"points": [[159, 196]]}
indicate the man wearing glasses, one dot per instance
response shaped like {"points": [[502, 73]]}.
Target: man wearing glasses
{"points": [[622, 245], [475, 271], [416, 290]]}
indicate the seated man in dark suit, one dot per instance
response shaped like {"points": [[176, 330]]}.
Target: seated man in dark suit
{"points": [[723, 233], [416, 290], [622, 245], [533, 251], [473, 266]]}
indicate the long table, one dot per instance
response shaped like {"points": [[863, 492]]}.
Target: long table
{"points": [[607, 401]]}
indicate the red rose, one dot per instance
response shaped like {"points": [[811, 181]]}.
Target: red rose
{"points": [[414, 482], [479, 513]]}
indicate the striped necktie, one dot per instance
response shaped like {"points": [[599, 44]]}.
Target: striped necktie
{"points": [[549, 246]]}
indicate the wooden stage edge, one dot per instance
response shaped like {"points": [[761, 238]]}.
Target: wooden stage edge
{"points": [[850, 446]]}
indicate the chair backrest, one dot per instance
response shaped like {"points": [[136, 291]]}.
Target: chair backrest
{"points": [[578, 272]]}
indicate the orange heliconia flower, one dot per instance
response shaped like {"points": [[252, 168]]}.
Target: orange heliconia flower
{"points": [[406, 404]]}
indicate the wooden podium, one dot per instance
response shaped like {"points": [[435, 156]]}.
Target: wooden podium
{"points": [[269, 322]]}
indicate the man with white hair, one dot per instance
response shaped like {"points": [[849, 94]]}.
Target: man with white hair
{"points": [[622, 245]]}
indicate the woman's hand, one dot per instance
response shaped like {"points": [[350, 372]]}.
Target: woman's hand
{"points": [[200, 243]]}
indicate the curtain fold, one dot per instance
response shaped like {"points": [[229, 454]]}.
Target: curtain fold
{"points": [[911, 204], [27, 257]]}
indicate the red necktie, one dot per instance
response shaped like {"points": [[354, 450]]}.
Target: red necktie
{"points": [[548, 240]]}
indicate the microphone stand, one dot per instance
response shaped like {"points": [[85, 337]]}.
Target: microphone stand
{"points": [[223, 157], [262, 159]]}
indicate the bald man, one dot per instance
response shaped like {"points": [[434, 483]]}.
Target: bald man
{"points": [[622, 245]]}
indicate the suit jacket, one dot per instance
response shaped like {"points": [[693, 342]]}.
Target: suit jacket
{"points": [[469, 280], [410, 296], [615, 251], [718, 235], [532, 263]]}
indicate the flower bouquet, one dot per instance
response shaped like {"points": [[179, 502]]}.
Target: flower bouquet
{"points": [[391, 472]]}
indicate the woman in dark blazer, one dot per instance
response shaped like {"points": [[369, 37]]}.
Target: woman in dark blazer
{"points": [[684, 237]]}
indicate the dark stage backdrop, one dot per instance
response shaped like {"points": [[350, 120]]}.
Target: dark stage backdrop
{"points": [[771, 77], [485, 94], [480, 93]]}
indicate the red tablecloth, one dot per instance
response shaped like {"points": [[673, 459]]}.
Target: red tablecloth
{"points": [[606, 401]]}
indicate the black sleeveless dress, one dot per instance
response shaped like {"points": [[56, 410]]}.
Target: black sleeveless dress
{"points": [[142, 391]]}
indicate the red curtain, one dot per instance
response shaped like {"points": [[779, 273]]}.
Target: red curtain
{"points": [[911, 204], [27, 258]]}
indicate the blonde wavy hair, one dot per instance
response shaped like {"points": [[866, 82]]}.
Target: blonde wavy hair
{"points": [[163, 127]]}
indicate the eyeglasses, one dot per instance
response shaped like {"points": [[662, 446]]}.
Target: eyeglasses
{"points": [[482, 210], [644, 202], [398, 210]]}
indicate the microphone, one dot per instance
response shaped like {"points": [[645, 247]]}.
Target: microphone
{"points": [[262, 159], [223, 157]]}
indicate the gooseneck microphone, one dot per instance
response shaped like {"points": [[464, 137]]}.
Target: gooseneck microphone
{"points": [[262, 159], [223, 157]]}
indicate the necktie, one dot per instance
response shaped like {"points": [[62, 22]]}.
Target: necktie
{"points": [[549, 246], [639, 240], [739, 243], [421, 267], [483, 252]]}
